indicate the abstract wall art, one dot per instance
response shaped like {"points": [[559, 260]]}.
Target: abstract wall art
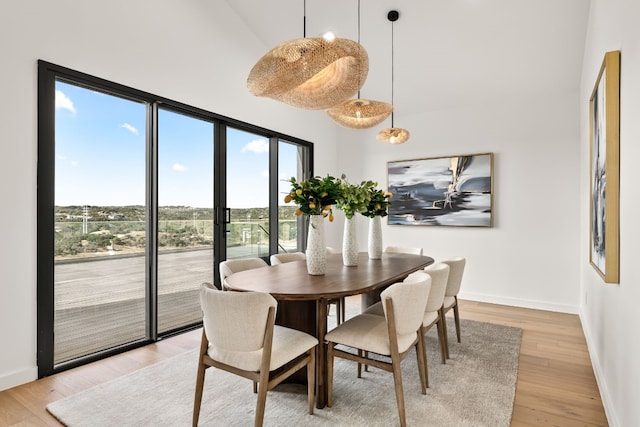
{"points": [[442, 191], [604, 111]]}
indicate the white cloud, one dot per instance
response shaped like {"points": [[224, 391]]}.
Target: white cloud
{"points": [[257, 146], [178, 167], [130, 128], [62, 101], [265, 173], [75, 163]]}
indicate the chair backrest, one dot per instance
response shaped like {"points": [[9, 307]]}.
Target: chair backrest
{"points": [[235, 321], [403, 250], [409, 300], [231, 266], [439, 273], [416, 276], [456, 266], [287, 257]]}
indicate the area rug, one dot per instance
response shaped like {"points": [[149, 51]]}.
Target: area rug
{"points": [[476, 387]]}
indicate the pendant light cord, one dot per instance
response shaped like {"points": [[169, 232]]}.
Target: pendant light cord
{"points": [[304, 19], [358, 36], [392, 75]]}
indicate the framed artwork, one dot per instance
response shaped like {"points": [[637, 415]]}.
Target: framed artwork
{"points": [[442, 191], [604, 112]]}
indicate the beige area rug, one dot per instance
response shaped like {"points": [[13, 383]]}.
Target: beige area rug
{"points": [[476, 387]]}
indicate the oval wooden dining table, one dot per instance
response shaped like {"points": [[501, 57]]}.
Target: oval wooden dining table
{"points": [[302, 298]]}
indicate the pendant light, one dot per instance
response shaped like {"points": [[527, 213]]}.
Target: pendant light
{"points": [[360, 113], [313, 73], [393, 135]]}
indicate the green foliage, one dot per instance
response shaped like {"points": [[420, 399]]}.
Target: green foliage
{"points": [[354, 198]]}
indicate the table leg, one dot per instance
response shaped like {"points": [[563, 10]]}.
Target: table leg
{"points": [[321, 359]]}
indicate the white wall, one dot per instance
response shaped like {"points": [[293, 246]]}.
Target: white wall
{"points": [[530, 256], [196, 52], [610, 312]]}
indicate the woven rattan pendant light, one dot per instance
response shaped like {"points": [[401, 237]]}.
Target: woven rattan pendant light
{"points": [[360, 113], [313, 73], [393, 135]]}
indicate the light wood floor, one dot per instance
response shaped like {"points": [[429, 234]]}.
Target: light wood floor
{"points": [[556, 385]]}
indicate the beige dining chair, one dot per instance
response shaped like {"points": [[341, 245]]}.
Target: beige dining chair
{"points": [[298, 256], [433, 314], [240, 336], [403, 250], [456, 266], [231, 266], [391, 335], [287, 257]]}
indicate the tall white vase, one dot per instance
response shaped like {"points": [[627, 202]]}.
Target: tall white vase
{"points": [[316, 247], [374, 242], [350, 242]]}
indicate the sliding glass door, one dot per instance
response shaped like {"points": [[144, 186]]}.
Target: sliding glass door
{"points": [[134, 193], [185, 229], [100, 222]]}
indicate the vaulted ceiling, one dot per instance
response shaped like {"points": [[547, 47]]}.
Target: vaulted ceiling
{"points": [[447, 53]]}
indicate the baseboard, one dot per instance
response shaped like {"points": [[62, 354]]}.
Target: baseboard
{"points": [[609, 409], [16, 378], [517, 302]]}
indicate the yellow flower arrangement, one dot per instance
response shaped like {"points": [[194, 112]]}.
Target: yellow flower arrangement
{"points": [[378, 202], [314, 196]]}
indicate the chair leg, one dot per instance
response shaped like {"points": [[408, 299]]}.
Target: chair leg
{"points": [[343, 309], [263, 387], [197, 401], [456, 315], [441, 338], [311, 376], [444, 332], [330, 374], [397, 380], [360, 364], [422, 361]]}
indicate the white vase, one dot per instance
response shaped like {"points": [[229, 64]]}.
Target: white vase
{"points": [[350, 242], [374, 242], [316, 247]]}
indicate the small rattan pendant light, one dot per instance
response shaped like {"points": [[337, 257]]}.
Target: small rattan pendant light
{"points": [[393, 135], [313, 73], [360, 113]]}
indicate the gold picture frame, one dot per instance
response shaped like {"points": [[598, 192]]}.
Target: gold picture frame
{"points": [[604, 138]]}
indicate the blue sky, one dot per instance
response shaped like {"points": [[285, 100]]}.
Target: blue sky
{"points": [[100, 155]]}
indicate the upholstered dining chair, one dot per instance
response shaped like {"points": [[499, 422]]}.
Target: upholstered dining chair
{"points": [[240, 337], [456, 266], [391, 335], [298, 256], [231, 266], [403, 250], [287, 257], [433, 314]]}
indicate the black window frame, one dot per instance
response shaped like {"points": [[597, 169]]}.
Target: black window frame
{"points": [[48, 74]]}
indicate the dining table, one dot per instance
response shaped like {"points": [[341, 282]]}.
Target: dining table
{"points": [[303, 298]]}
